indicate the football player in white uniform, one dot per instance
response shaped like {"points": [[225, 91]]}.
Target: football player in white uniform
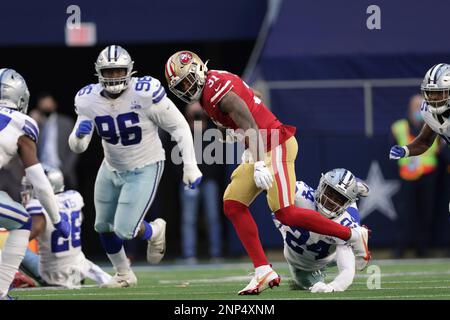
{"points": [[62, 262], [18, 135], [435, 110], [127, 112], [308, 254]]}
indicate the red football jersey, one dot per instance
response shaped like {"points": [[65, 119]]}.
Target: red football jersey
{"points": [[219, 83]]}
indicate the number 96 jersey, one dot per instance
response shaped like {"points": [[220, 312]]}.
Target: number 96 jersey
{"points": [[128, 124], [308, 250]]}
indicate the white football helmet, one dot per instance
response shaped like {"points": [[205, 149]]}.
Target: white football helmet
{"points": [[56, 178], [114, 57], [14, 92], [435, 88], [337, 190]]}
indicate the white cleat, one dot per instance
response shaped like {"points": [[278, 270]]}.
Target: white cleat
{"points": [[359, 242], [156, 247], [259, 283], [121, 280]]}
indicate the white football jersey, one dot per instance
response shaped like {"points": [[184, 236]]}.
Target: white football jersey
{"points": [[127, 125], [55, 252], [307, 250], [442, 127], [13, 125]]}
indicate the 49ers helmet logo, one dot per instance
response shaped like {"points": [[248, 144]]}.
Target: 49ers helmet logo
{"points": [[185, 57]]}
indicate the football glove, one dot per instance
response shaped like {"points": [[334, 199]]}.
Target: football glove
{"points": [[398, 152], [63, 226], [321, 287], [192, 176], [84, 128], [262, 176]]}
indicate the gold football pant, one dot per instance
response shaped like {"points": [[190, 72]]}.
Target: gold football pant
{"points": [[280, 161]]}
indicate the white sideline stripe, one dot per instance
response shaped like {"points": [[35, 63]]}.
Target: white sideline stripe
{"points": [[53, 288], [248, 266], [246, 278], [331, 297], [232, 283], [210, 280], [323, 296], [134, 293]]}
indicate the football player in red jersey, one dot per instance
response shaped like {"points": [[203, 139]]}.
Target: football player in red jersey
{"points": [[231, 103]]}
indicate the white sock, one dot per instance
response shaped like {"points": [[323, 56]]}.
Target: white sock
{"points": [[12, 256], [120, 261], [263, 269]]}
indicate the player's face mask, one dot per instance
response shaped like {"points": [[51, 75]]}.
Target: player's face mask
{"points": [[188, 89], [114, 80], [436, 98], [330, 202]]}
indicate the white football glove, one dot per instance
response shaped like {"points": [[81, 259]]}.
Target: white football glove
{"points": [[262, 176], [321, 287], [192, 176]]}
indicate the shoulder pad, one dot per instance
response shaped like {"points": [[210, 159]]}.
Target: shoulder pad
{"points": [[304, 196], [218, 84], [75, 196], [30, 128], [354, 213], [34, 207], [149, 87], [82, 98], [85, 91]]}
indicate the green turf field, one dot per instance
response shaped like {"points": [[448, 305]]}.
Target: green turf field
{"points": [[401, 279]]}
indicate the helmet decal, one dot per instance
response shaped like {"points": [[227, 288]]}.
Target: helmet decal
{"points": [[185, 57]]}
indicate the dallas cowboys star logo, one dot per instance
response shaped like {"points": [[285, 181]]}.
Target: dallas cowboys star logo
{"points": [[380, 195]]}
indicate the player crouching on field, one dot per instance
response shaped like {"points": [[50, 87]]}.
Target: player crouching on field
{"points": [[308, 253], [62, 263]]}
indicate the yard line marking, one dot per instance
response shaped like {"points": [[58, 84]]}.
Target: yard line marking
{"points": [[245, 278], [169, 267]]}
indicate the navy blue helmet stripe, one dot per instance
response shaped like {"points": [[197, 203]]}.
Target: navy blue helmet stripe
{"points": [[431, 73], [109, 54], [437, 72]]}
